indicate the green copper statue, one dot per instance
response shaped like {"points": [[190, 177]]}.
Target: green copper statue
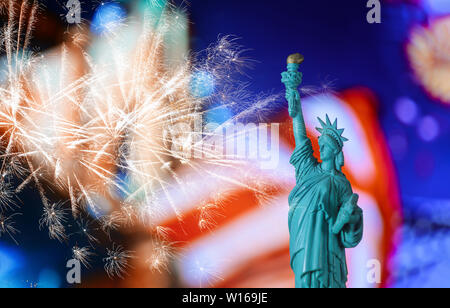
{"points": [[324, 217]]}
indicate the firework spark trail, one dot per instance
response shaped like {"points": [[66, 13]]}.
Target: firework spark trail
{"points": [[111, 222], [38, 184], [23, 10], [8, 35], [117, 261], [7, 196], [7, 226], [27, 181], [53, 218], [83, 255], [30, 27], [73, 201], [162, 233], [205, 273], [208, 212], [162, 254], [86, 229], [88, 200]]}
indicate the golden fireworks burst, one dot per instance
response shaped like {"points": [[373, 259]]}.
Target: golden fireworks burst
{"points": [[429, 54]]}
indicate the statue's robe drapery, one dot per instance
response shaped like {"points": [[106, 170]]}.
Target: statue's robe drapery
{"points": [[318, 255]]}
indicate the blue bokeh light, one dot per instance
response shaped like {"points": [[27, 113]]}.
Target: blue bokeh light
{"points": [[203, 84], [406, 110], [218, 114], [11, 262], [428, 128], [107, 17], [49, 278], [437, 7]]}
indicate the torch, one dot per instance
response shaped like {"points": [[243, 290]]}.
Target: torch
{"points": [[292, 79]]}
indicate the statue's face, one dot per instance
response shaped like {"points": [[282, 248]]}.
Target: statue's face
{"points": [[327, 152]]}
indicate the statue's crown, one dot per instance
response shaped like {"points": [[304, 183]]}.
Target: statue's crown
{"points": [[332, 131]]}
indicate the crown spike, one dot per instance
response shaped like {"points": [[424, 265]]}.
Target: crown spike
{"points": [[332, 130], [322, 122]]}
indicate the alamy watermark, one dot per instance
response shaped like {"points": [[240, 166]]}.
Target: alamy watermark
{"points": [[74, 273], [374, 15], [73, 15], [374, 271], [231, 141]]}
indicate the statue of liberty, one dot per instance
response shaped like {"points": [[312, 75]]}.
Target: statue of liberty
{"points": [[324, 217]]}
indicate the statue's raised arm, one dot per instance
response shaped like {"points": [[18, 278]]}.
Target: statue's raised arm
{"points": [[292, 79], [303, 157]]}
